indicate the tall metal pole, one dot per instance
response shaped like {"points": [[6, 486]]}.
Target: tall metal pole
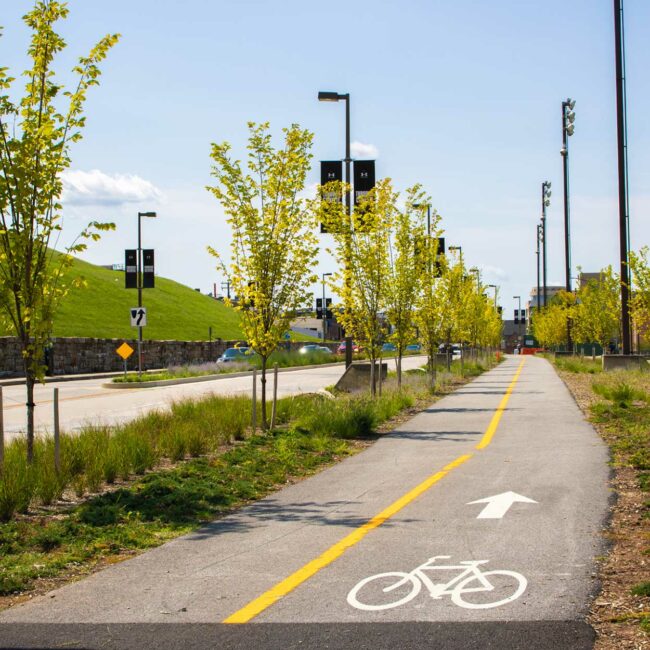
{"points": [[139, 293], [544, 244], [567, 231], [348, 202], [621, 132], [539, 228]]}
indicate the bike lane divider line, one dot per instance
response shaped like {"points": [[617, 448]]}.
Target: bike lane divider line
{"points": [[268, 598], [496, 418], [257, 606]]}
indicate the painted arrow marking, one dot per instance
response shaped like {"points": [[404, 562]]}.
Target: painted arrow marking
{"points": [[499, 504]]}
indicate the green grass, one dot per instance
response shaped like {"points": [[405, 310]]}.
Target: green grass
{"points": [[174, 311], [219, 467], [578, 365]]}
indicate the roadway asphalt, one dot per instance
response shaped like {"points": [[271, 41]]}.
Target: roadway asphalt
{"points": [[86, 401], [297, 569]]}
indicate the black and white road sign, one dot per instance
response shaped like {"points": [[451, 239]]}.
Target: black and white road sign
{"points": [[138, 316]]}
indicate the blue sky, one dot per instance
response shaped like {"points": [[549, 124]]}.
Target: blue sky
{"points": [[463, 97]]}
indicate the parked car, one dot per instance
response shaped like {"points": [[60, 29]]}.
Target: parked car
{"points": [[341, 348], [388, 347], [413, 347], [232, 355], [324, 349], [310, 348]]}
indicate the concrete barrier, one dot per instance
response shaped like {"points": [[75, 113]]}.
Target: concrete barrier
{"points": [[357, 376], [623, 362]]}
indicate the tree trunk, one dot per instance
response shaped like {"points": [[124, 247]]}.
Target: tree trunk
{"points": [[373, 387], [265, 425]]}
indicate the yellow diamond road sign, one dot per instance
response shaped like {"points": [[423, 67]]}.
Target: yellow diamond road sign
{"points": [[125, 351]]}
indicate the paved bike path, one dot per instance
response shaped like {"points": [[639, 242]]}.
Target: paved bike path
{"points": [[542, 449]]}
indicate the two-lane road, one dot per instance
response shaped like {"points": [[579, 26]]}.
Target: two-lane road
{"points": [[86, 401], [396, 547]]}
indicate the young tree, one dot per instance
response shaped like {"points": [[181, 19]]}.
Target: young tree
{"points": [[361, 249], [597, 312], [640, 300], [550, 324], [403, 283], [429, 316], [35, 137], [273, 249]]}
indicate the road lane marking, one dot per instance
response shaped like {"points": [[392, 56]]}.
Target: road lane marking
{"points": [[496, 418], [287, 585], [499, 504], [62, 399], [281, 589]]}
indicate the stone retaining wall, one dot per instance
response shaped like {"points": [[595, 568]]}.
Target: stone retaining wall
{"points": [[69, 356]]}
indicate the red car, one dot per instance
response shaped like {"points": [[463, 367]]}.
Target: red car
{"points": [[341, 348]]}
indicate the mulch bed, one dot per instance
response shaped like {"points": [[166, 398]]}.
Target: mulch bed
{"points": [[615, 613]]}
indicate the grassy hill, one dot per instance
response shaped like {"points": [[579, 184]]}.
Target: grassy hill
{"points": [[174, 311]]}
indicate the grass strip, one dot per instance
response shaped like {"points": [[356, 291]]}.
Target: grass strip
{"points": [[64, 531]]}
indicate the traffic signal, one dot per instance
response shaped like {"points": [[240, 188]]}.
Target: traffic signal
{"points": [[130, 268], [147, 269], [319, 308]]}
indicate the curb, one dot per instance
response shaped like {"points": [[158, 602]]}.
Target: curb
{"points": [[223, 375]]}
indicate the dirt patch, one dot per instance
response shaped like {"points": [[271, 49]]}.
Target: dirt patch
{"points": [[615, 613]]}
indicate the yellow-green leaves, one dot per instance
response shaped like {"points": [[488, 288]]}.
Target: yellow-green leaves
{"points": [[35, 137], [274, 246]]}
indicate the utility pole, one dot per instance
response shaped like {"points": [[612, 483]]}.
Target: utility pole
{"points": [[546, 201], [623, 214], [539, 235]]}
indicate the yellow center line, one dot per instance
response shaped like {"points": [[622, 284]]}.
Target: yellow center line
{"points": [[268, 598], [61, 399], [496, 418]]}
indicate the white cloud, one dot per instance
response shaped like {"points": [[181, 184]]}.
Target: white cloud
{"points": [[97, 188], [363, 151], [494, 273]]}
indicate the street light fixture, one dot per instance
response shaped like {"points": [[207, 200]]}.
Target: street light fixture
{"points": [[330, 96], [324, 307], [496, 290], [460, 252], [139, 270], [568, 119]]}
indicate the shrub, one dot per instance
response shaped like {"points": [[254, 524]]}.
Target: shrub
{"points": [[16, 483]]}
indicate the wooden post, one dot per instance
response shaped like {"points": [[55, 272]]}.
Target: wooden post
{"points": [[275, 394], [2, 436], [254, 422], [57, 437]]}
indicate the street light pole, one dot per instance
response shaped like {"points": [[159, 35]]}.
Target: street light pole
{"points": [[139, 270], [324, 307], [327, 96], [546, 201], [568, 117], [539, 235], [494, 286]]}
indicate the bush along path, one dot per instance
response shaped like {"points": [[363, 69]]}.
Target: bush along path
{"points": [[121, 491], [618, 404]]}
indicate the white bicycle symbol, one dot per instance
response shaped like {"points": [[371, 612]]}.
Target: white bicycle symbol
{"points": [[470, 580]]}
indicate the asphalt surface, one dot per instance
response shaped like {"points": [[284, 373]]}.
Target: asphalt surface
{"points": [[296, 570], [87, 402]]}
